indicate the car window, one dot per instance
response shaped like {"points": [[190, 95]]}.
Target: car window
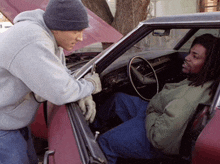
{"points": [[187, 45]]}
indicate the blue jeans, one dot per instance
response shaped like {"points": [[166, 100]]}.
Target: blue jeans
{"points": [[128, 140], [16, 147]]}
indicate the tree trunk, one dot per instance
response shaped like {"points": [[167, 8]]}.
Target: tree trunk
{"points": [[129, 13], [100, 8]]}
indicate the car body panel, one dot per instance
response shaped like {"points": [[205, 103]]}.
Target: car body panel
{"points": [[61, 139], [39, 127], [207, 146]]}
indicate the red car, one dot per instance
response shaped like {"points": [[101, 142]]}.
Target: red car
{"points": [[156, 48]]}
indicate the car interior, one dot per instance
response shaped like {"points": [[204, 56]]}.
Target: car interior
{"points": [[141, 71]]}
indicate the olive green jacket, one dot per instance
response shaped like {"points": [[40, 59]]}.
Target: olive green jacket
{"points": [[169, 112]]}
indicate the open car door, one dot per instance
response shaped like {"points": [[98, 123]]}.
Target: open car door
{"points": [[70, 139]]}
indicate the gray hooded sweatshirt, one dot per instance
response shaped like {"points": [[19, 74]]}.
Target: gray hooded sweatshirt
{"points": [[31, 62]]}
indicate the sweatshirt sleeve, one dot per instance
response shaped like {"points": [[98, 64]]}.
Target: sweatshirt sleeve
{"points": [[166, 129], [43, 72]]}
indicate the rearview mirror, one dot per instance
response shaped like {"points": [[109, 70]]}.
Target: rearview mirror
{"points": [[161, 32]]}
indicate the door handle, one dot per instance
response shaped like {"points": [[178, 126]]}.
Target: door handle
{"points": [[46, 156]]}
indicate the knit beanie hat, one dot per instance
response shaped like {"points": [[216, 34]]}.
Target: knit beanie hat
{"points": [[66, 15]]}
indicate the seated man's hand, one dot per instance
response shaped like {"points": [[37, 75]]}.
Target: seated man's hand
{"points": [[87, 105], [94, 78]]}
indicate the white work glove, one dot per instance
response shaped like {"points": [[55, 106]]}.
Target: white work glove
{"points": [[94, 78], [87, 105]]}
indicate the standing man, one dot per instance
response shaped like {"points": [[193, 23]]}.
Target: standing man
{"points": [[33, 63]]}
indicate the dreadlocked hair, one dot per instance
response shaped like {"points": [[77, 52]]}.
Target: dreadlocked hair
{"points": [[211, 69]]}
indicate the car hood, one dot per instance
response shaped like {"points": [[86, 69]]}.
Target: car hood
{"points": [[98, 31]]}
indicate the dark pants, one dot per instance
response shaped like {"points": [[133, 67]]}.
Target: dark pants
{"points": [[128, 140], [16, 147]]}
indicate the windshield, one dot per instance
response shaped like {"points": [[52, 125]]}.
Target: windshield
{"points": [[159, 40], [165, 41]]}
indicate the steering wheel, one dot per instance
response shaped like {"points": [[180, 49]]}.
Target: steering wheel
{"points": [[139, 75]]}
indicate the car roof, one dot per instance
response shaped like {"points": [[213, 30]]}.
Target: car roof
{"points": [[208, 19]]}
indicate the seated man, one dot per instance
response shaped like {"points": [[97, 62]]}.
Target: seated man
{"points": [[152, 129]]}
